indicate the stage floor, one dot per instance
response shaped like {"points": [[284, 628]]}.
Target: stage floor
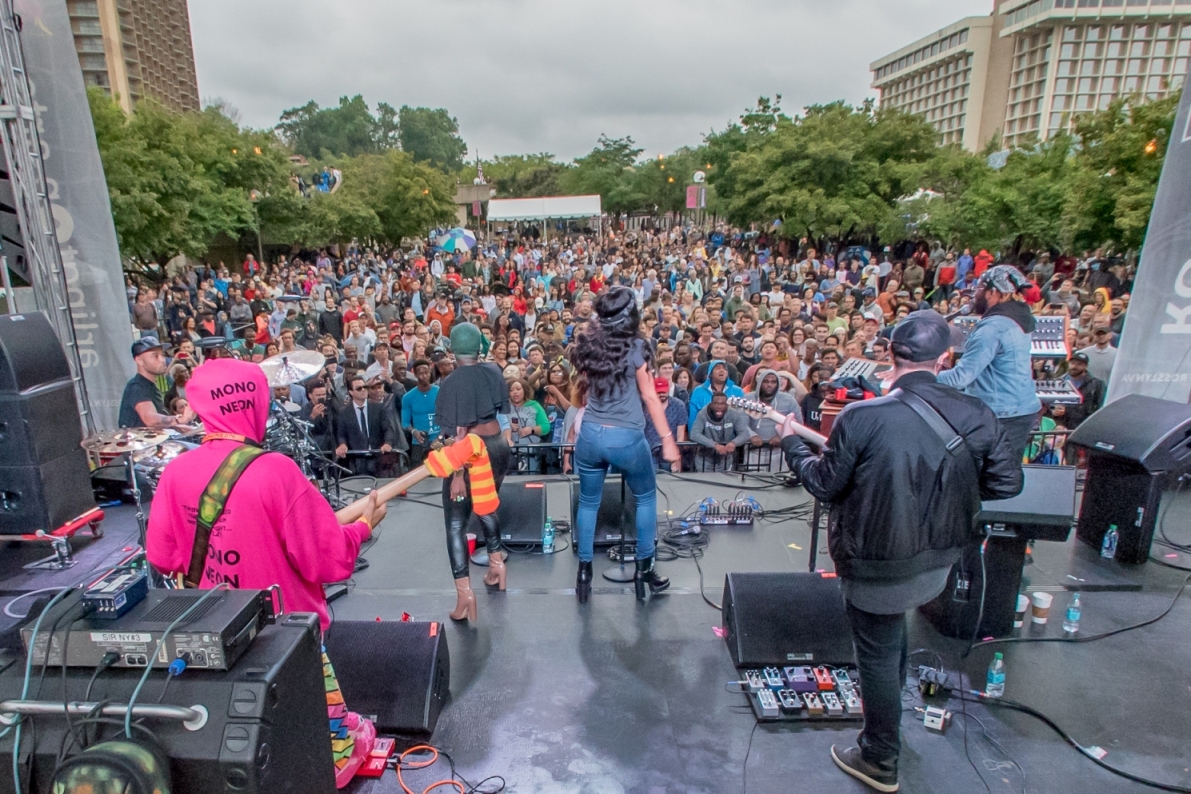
{"points": [[617, 696]]}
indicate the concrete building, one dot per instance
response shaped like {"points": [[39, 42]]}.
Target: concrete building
{"points": [[1025, 71], [136, 49]]}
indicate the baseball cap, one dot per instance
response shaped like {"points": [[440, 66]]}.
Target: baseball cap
{"points": [[1077, 356], [1102, 329], [661, 385], [922, 336], [144, 345], [869, 292], [1005, 279]]}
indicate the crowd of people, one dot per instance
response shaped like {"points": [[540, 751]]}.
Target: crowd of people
{"points": [[726, 315]]}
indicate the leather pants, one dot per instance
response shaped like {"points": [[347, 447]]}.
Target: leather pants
{"points": [[458, 514]]}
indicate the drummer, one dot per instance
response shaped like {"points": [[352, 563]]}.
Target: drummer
{"points": [[142, 405]]}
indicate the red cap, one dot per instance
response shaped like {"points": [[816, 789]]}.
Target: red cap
{"points": [[661, 385]]}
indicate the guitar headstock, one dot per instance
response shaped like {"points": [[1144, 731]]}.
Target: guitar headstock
{"points": [[751, 407]]}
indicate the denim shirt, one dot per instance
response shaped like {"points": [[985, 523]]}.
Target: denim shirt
{"points": [[996, 368]]}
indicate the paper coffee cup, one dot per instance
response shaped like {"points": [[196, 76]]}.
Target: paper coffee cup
{"points": [[1041, 611], [1019, 615]]}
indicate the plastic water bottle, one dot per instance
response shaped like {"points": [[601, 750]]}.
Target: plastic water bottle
{"points": [[548, 537], [1108, 549], [996, 677], [1071, 621]]}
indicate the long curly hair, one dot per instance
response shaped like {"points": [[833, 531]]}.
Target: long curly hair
{"points": [[602, 349]]}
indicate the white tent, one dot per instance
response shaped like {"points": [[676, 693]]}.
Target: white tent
{"points": [[540, 209]]}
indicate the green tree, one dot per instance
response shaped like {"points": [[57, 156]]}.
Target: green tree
{"points": [[431, 136], [408, 198], [610, 171], [349, 129], [521, 175]]}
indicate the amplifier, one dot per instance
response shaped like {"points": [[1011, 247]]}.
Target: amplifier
{"points": [[211, 638], [617, 517], [522, 513], [266, 732], [1044, 510]]}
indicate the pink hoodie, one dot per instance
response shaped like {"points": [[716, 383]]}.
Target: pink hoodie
{"points": [[276, 529]]}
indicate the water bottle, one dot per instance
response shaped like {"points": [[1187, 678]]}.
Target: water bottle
{"points": [[996, 677], [1108, 549], [1071, 621], [548, 537]]}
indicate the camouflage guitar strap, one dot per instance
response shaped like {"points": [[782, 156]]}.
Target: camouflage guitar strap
{"points": [[212, 503]]}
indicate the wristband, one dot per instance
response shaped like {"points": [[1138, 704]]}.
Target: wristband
{"points": [[668, 435]]}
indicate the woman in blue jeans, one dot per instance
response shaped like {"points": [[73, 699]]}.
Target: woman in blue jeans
{"points": [[614, 359]]}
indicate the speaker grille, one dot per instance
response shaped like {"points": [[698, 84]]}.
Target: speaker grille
{"points": [[786, 618]]}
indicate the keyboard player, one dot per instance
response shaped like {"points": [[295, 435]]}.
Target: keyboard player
{"points": [[995, 366], [1092, 390]]}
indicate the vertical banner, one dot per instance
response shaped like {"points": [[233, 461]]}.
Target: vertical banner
{"points": [[82, 208]]}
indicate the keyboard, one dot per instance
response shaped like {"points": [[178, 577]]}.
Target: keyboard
{"points": [[1049, 339], [1057, 392]]}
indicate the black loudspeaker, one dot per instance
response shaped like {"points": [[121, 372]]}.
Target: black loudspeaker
{"points": [[45, 496], [30, 354], [955, 612], [786, 618], [522, 513], [266, 731], [1044, 510], [396, 673], [1137, 447], [617, 516], [44, 476]]}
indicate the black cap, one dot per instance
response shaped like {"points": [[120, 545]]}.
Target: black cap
{"points": [[1079, 356], [144, 345], [922, 336]]}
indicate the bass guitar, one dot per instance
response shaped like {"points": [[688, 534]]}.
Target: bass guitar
{"points": [[759, 410]]}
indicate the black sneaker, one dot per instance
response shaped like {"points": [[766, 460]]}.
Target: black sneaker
{"points": [[871, 775]]}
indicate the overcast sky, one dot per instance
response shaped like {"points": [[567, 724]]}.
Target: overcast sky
{"points": [[552, 75]]}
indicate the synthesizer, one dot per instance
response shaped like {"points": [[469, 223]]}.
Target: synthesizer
{"points": [[1049, 339], [1057, 392]]}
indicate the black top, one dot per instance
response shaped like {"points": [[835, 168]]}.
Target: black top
{"points": [[471, 395], [139, 390]]}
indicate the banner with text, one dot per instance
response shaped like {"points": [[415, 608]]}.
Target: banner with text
{"points": [[82, 208]]}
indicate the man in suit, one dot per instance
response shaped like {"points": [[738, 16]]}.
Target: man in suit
{"points": [[362, 427]]}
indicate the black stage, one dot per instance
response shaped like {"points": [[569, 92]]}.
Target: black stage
{"points": [[623, 697]]}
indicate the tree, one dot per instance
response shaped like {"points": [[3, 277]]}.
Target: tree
{"points": [[408, 198], [608, 170], [347, 130], [521, 175], [431, 136]]}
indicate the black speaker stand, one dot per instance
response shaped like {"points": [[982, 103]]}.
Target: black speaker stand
{"points": [[815, 536], [618, 573]]}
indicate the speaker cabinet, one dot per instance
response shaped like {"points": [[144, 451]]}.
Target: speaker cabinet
{"points": [[1154, 434], [617, 517], [396, 673], [522, 513], [30, 353], [44, 496], [1125, 494], [786, 618], [955, 612], [267, 730], [39, 425]]}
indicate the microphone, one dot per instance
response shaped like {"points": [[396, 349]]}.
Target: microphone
{"points": [[963, 311]]}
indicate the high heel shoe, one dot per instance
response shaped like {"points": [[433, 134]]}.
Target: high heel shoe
{"points": [[496, 570], [647, 575], [583, 582], [465, 608]]}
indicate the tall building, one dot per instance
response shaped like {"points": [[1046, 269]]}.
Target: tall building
{"points": [[1032, 66], [137, 49]]}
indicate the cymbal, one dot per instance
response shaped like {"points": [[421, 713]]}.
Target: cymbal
{"points": [[116, 442], [284, 369]]}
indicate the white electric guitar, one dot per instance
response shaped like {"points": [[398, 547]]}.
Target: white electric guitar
{"points": [[759, 410]]}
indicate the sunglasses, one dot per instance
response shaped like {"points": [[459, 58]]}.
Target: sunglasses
{"points": [[359, 388]]}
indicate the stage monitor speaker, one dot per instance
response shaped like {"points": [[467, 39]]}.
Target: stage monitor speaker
{"points": [[1044, 510], [1151, 433], [522, 513], [45, 496], [955, 612], [617, 516], [266, 730], [786, 619], [30, 353], [1121, 493], [39, 425], [396, 673]]}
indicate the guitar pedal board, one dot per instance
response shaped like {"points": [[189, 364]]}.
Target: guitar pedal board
{"points": [[727, 515], [804, 694]]}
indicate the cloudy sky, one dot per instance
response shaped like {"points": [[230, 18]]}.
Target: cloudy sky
{"points": [[552, 75]]}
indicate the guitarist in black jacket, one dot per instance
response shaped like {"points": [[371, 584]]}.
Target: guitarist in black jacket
{"points": [[904, 492]]}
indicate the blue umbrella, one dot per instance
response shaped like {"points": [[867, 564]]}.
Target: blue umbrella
{"points": [[456, 240]]}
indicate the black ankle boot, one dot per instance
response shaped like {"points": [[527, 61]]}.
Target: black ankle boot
{"points": [[583, 582], [647, 575]]}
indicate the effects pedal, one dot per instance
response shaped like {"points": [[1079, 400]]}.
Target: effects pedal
{"points": [[773, 678], [791, 704], [378, 759], [932, 682], [814, 706], [831, 702], [852, 704], [936, 719], [768, 702], [824, 680], [754, 680], [801, 679], [731, 515], [842, 679]]}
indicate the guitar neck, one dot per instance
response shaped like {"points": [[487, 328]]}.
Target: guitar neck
{"points": [[355, 510], [799, 429]]}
